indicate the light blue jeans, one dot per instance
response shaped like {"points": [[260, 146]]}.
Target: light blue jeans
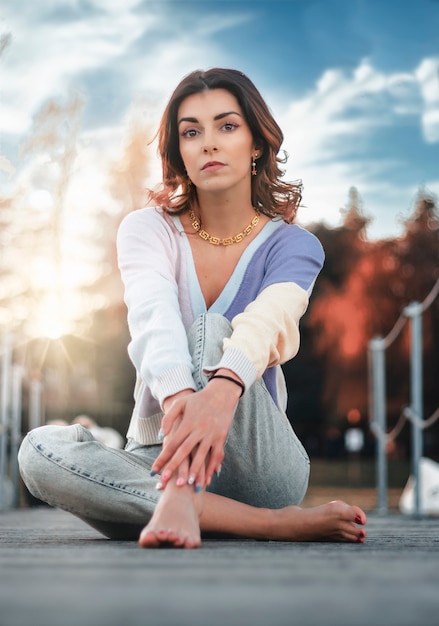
{"points": [[265, 465]]}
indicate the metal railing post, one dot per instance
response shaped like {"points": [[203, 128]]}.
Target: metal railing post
{"points": [[378, 408], [16, 408], [414, 312], [6, 358], [35, 413]]}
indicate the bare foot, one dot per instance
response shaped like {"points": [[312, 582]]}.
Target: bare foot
{"points": [[335, 521], [175, 521]]}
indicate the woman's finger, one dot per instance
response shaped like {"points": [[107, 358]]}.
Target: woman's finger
{"points": [[200, 481], [171, 444], [170, 416], [215, 460], [171, 465], [198, 463], [182, 473]]}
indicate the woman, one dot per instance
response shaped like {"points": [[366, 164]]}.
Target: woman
{"points": [[216, 280]]}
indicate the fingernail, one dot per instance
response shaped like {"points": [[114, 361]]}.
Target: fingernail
{"points": [[160, 436], [358, 520], [159, 486], [191, 480], [180, 482], [152, 473], [218, 471], [198, 488]]}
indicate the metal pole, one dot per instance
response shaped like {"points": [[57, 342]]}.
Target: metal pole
{"points": [[16, 408], [378, 407], [4, 415], [414, 312], [35, 417]]}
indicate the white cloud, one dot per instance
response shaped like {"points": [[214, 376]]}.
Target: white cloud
{"points": [[328, 133], [115, 6], [44, 57], [427, 75], [6, 165], [343, 106]]}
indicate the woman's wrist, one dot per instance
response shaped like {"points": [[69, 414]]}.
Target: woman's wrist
{"points": [[229, 378]]}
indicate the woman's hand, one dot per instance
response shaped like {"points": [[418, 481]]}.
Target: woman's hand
{"points": [[195, 427]]}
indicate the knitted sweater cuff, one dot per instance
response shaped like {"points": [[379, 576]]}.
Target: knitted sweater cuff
{"points": [[172, 381], [237, 362]]}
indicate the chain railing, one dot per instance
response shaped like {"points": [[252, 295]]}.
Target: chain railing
{"points": [[413, 413]]}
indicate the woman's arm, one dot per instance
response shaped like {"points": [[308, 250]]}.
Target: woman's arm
{"points": [[266, 333], [148, 259]]}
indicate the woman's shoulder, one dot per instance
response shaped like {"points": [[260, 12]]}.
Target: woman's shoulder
{"points": [[299, 236], [148, 214], [146, 220]]}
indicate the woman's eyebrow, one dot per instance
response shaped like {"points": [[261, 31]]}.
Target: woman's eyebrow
{"points": [[220, 116]]}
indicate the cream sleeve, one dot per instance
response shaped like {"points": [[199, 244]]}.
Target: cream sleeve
{"points": [[266, 333]]}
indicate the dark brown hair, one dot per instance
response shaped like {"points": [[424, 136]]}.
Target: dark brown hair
{"points": [[270, 195]]}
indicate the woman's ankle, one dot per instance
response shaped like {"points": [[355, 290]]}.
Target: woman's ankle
{"points": [[186, 493]]}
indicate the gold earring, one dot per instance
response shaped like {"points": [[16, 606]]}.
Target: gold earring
{"points": [[254, 171]]}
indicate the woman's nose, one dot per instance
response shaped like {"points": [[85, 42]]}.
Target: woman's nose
{"points": [[209, 143]]}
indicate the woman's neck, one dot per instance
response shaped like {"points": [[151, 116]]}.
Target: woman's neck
{"points": [[222, 213]]}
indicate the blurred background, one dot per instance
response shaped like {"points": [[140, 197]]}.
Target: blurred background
{"points": [[355, 87]]}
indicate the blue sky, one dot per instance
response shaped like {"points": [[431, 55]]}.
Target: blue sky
{"points": [[354, 85]]}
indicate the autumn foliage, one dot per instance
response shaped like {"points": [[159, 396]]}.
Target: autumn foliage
{"points": [[361, 293]]}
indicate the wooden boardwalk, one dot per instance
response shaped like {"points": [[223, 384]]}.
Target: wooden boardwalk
{"points": [[55, 571]]}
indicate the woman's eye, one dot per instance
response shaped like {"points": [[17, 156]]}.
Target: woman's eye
{"points": [[228, 126], [189, 132]]}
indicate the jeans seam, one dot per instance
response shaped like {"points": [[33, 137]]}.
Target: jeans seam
{"points": [[199, 350], [88, 476]]}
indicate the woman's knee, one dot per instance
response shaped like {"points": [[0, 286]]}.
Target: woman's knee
{"points": [[39, 451], [30, 463]]}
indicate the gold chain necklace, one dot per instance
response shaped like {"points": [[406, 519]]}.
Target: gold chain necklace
{"points": [[216, 241]]}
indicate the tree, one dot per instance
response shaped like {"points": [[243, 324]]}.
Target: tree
{"points": [[363, 289], [338, 319]]}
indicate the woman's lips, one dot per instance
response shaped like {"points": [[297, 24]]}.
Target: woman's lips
{"points": [[212, 166]]}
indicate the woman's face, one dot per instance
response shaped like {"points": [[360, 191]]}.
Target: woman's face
{"points": [[215, 141]]}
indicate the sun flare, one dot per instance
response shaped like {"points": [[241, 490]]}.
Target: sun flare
{"points": [[51, 319]]}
